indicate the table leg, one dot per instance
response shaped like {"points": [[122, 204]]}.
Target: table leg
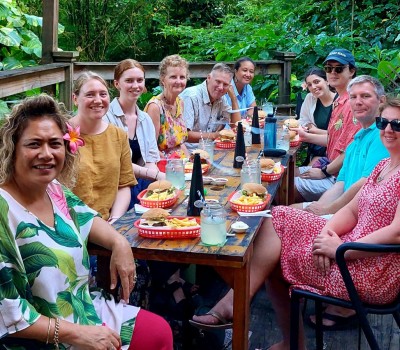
{"points": [[241, 308], [290, 170]]}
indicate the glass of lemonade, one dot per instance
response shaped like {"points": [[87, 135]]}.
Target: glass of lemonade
{"points": [[175, 173], [213, 225]]}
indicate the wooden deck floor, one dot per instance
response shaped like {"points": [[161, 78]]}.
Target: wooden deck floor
{"points": [[265, 331]]}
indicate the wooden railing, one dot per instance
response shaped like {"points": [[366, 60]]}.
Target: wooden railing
{"points": [[66, 69]]}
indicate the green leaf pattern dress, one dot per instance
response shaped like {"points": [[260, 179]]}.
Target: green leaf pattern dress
{"points": [[44, 270]]}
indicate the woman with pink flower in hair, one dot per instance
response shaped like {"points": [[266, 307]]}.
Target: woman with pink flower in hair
{"points": [[105, 170], [45, 300]]}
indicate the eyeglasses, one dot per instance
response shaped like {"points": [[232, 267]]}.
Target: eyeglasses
{"points": [[337, 69], [382, 123]]}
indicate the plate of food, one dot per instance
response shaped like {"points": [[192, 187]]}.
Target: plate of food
{"points": [[252, 197], [159, 194], [204, 160], [270, 170], [226, 139], [157, 223]]}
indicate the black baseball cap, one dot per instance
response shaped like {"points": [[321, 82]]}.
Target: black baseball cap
{"points": [[342, 56]]}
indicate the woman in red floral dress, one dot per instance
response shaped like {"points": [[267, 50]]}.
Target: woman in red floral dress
{"points": [[301, 247]]}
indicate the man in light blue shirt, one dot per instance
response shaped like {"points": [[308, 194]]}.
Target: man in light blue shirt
{"points": [[361, 156]]}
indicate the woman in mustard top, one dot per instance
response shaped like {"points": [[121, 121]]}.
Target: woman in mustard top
{"points": [[105, 170]]}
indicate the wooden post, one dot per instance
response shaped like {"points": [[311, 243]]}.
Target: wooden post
{"points": [[49, 37], [49, 30], [284, 78], [65, 92]]}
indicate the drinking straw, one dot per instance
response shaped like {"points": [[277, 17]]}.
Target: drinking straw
{"points": [[247, 159], [259, 155], [202, 199], [201, 137]]}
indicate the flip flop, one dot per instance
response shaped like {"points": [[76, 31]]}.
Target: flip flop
{"points": [[341, 323], [224, 324]]}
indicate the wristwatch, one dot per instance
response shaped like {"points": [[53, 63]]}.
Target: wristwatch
{"points": [[323, 169]]}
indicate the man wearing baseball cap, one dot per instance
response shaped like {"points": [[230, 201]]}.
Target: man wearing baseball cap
{"points": [[312, 182]]}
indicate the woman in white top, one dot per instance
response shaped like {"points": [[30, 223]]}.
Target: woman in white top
{"points": [[124, 112], [315, 111]]}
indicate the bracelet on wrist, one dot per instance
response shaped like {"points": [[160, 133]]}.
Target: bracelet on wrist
{"points": [[48, 331], [325, 171], [56, 339]]}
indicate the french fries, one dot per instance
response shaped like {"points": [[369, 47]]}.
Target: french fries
{"points": [[254, 199], [160, 196], [179, 223]]}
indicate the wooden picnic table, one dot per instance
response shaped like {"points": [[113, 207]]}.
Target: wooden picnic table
{"points": [[233, 257]]}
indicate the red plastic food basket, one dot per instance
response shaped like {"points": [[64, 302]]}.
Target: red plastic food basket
{"points": [[272, 177], [248, 208], [294, 143], [166, 203], [225, 145], [161, 232]]}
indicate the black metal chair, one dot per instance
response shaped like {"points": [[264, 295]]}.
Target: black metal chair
{"points": [[362, 309]]}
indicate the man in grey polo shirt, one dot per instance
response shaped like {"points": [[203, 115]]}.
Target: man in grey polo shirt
{"points": [[205, 109]]}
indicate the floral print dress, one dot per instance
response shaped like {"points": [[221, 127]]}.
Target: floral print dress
{"points": [[173, 131], [44, 271], [297, 229]]}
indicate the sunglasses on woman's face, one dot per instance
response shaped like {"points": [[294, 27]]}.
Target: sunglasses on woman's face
{"points": [[382, 123], [337, 69]]}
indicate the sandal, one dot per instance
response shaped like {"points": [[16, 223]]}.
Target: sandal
{"points": [[223, 323], [341, 322]]}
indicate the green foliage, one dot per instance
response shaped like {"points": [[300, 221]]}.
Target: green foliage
{"points": [[369, 28], [20, 44]]}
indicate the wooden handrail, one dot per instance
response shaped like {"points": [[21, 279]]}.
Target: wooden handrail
{"points": [[48, 75]]}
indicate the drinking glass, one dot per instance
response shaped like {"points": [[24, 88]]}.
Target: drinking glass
{"points": [[268, 108], [208, 146], [283, 138], [175, 173], [213, 225], [251, 172]]}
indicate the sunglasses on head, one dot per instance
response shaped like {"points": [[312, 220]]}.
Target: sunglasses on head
{"points": [[382, 123], [337, 69]]}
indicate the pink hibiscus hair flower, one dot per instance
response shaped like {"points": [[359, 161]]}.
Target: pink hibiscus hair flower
{"points": [[73, 137]]}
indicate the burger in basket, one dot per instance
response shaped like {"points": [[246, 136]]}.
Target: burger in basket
{"points": [[158, 217], [160, 190], [204, 159], [251, 194], [267, 165], [227, 135], [154, 217]]}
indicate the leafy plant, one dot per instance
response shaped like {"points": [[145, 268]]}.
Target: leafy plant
{"points": [[20, 44]]}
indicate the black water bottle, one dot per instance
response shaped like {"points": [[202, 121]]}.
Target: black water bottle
{"points": [[255, 128], [196, 184], [240, 148]]}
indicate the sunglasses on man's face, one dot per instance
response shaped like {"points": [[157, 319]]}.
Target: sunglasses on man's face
{"points": [[337, 69], [382, 123]]}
